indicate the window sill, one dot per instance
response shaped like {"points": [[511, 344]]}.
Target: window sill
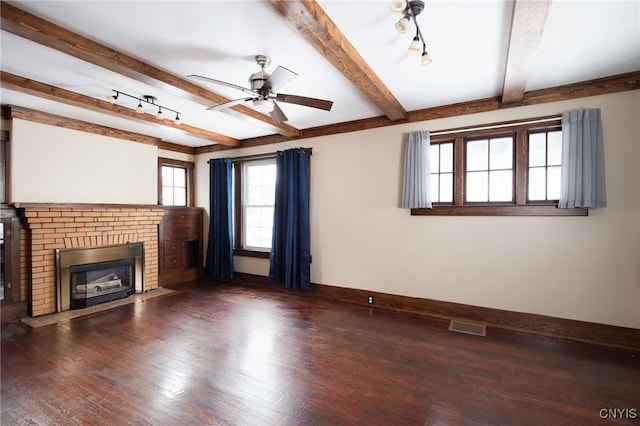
{"points": [[257, 254], [499, 210], [252, 253]]}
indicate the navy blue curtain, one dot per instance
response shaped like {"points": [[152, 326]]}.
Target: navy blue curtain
{"points": [[290, 260], [219, 262]]}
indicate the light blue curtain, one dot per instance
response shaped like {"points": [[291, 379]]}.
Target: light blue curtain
{"points": [[219, 261], [416, 185], [583, 183], [290, 260]]}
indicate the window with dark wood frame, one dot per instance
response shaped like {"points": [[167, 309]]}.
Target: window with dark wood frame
{"points": [[188, 168], [239, 198], [238, 194], [518, 172]]}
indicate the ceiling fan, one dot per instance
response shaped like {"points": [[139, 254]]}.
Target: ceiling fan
{"points": [[262, 92]]}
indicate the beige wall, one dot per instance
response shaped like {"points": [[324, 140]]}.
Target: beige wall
{"points": [[181, 156], [583, 268], [51, 164]]}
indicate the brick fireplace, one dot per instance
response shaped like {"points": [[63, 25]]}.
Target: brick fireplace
{"points": [[71, 226]]}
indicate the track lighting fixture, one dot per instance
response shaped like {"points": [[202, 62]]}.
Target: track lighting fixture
{"points": [[146, 99], [410, 10]]}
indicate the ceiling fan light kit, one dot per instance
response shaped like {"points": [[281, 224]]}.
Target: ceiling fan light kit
{"points": [[262, 88], [151, 100], [263, 105], [410, 10]]}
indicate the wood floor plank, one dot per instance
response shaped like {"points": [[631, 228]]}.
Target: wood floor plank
{"points": [[214, 353]]}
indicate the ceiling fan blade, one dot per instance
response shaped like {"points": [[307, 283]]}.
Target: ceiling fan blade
{"points": [[279, 78], [277, 115], [303, 100], [228, 104], [223, 83]]}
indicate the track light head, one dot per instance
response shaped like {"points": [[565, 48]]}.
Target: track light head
{"points": [[112, 98], [416, 44], [177, 119], [140, 109], [398, 5], [426, 59], [402, 26], [159, 115]]}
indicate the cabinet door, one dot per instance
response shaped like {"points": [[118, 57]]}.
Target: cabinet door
{"points": [[182, 226], [9, 266]]}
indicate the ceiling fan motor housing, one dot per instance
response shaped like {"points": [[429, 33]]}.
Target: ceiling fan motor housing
{"points": [[256, 80]]}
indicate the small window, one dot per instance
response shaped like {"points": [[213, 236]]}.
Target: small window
{"points": [[441, 156], [174, 186], [174, 183], [545, 155], [489, 170]]}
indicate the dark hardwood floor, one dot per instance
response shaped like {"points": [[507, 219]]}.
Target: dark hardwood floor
{"points": [[214, 353]]}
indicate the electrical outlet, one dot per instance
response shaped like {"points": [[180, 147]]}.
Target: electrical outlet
{"points": [[370, 300]]}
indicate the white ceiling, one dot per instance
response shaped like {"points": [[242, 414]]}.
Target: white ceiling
{"points": [[468, 41]]}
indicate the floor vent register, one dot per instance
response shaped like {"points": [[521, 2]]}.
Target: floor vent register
{"points": [[468, 328]]}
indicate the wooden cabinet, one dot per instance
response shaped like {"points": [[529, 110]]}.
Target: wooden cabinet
{"points": [[181, 245], [13, 297]]}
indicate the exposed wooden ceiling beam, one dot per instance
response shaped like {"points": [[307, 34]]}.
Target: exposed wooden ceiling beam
{"points": [[31, 27], [527, 24], [308, 18], [36, 88], [70, 123]]}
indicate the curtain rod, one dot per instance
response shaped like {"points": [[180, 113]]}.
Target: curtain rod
{"points": [[253, 157], [497, 125]]}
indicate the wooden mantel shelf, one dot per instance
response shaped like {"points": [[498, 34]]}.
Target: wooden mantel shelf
{"points": [[83, 206]]}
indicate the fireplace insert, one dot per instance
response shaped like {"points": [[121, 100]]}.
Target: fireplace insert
{"points": [[101, 282], [92, 275]]}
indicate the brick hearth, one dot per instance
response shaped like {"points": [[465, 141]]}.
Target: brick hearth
{"points": [[51, 227]]}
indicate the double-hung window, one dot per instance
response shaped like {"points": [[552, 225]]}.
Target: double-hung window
{"points": [[503, 169], [257, 203], [254, 186]]}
